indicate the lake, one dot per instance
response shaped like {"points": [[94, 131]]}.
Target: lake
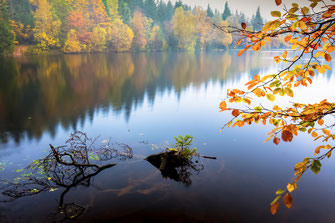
{"points": [[144, 100]]}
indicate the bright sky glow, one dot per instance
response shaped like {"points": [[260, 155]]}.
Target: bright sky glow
{"points": [[246, 6]]}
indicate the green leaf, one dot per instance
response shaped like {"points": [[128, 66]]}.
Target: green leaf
{"points": [[275, 200], [258, 109], [316, 166], [289, 92], [280, 191], [275, 83], [276, 122], [276, 13], [270, 97], [276, 91]]}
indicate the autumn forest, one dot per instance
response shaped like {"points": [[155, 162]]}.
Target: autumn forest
{"points": [[42, 26]]}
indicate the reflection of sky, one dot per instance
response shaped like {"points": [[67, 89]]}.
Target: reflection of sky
{"points": [[244, 177], [248, 7], [322, 88]]}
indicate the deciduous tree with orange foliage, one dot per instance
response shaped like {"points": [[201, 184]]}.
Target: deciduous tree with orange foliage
{"points": [[310, 32], [140, 25]]}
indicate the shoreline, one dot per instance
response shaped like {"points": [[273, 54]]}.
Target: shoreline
{"points": [[22, 50]]}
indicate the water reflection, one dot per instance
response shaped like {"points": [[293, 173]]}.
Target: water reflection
{"points": [[57, 94], [66, 167], [174, 168], [38, 93]]}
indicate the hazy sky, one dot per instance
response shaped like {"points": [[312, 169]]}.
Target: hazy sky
{"points": [[249, 7]]}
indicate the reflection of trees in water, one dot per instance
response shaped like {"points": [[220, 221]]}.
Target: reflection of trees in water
{"points": [[68, 89], [66, 167], [4, 215]]}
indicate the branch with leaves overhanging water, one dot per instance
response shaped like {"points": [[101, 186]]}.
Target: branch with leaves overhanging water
{"points": [[310, 31]]}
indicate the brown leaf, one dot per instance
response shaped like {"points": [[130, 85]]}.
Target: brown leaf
{"points": [[287, 136], [276, 140], [236, 112], [328, 57], [274, 208], [288, 200], [278, 2], [244, 25]]}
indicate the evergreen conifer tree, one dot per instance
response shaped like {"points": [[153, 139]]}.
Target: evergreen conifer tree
{"points": [[210, 11], [226, 13], [257, 21]]}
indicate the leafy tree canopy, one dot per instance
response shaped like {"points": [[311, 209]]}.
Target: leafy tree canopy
{"points": [[6, 35]]}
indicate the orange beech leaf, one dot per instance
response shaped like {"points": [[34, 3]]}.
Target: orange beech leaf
{"points": [[288, 200], [320, 54], [287, 38], [320, 122], [246, 100], [274, 208], [252, 85], [241, 52], [317, 150], [236, 112], [278, 2], [326, 67], [239, 124], [314, 134], [256, 47], [287, 136], [325, 131], [328, 58], [320, 69], [311, 72], [239, 42], [223, 106], [330, 49], [328, 13], [276, 140]]}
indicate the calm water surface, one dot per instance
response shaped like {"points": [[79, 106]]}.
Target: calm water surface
{"points": [[146, 99]]}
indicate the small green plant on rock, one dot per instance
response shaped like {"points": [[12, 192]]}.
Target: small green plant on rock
{"points": [[182, 147]]}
